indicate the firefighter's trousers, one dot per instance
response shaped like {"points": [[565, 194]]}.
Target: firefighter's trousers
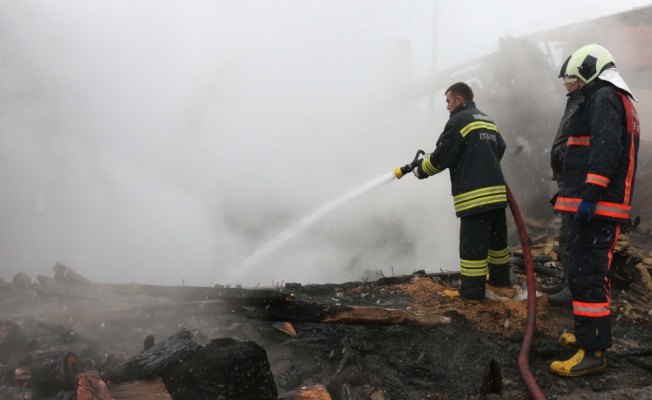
{"points": [[589, 279], [483, 247]]}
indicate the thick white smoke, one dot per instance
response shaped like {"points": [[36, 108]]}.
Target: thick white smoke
{"points": [[164, 142]]}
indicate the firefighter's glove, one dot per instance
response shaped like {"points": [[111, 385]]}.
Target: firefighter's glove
{"points": [[585, 212]]}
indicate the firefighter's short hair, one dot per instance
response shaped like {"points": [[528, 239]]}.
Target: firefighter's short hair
{"points": [[461, 89]]}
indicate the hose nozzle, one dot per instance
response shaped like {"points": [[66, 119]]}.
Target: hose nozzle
{"points": [[399, 172]]}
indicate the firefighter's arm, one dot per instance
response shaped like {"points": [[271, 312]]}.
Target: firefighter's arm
{"points": [[445, 154], [606, 148]]}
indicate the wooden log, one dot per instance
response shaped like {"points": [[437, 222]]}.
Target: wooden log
{"points": [[383, 316], [155, 360], [223, 369], [198, 293], [63, 273], [301, 311], [90, 386], [12, 342], [49, 371], [150, 389], [314, 392]]}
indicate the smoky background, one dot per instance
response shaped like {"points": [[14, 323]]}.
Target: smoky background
{"points": [[164, 142]]}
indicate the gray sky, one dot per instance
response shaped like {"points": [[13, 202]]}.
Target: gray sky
{"points": [[164, 142]]}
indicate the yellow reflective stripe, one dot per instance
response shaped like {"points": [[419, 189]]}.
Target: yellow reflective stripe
{"points": [[473, 267], [498, 198], [477, 125], [498, 256], [474, 263], [479, 192], [499, 260], [499, 253], [428, 168]]}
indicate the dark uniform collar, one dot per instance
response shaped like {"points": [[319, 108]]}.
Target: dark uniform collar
{"points": [[592, 87], [464, 106]]}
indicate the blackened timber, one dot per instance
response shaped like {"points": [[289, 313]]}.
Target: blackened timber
{"points": [[223, 369], [155, 360], [48, 370], [198, 293], [301, 311]]}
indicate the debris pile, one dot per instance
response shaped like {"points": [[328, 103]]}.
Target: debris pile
{"points": [[66, 337]]}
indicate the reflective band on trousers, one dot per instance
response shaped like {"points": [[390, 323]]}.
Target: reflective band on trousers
{"points": [[478, 125], [473, 267], [498, 256], [480, 197], [591, 310], [578, 141], [603, 208]]}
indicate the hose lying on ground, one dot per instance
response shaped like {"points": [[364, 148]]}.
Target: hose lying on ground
{"points": [[523, 362]]}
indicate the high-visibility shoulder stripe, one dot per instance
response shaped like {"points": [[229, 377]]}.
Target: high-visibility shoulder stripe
{"points": [[477, 125], [578, 141], [599, 180]]}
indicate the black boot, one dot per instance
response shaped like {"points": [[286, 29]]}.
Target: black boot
{"points": [[554, 288], [562, 298]]}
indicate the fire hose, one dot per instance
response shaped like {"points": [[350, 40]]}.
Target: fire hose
{"points": [[523, 357], [523, 362]]}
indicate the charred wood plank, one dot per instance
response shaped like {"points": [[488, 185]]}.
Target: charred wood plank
{"points": [[223, 369], [91, 387], [198, 293], [301, 311], [155, 360], [314, 392], [151, 389]]}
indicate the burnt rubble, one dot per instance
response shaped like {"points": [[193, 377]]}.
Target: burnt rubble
{"points": [[66, 337]]}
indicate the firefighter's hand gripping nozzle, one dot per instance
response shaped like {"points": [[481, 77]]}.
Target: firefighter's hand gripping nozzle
{"points": [[407, 168]]}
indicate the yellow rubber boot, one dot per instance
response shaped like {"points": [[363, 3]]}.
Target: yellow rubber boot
{"points": [[582, 363], [456, 294], [568, 340]]}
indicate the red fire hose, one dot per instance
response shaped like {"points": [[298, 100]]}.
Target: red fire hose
{"points": [[523, 363]]}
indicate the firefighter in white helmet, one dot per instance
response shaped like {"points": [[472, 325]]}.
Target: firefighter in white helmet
{"points": [[599, 171]]}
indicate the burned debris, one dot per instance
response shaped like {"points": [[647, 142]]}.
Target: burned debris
{"points": [[396, 338]]}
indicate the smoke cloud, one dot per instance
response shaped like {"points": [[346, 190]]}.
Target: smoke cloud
{"points": [[165, 142]]}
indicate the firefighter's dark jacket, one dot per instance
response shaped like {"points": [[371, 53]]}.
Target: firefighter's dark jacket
{"points": [[601, 157], [558, 151], [471, 148]]}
